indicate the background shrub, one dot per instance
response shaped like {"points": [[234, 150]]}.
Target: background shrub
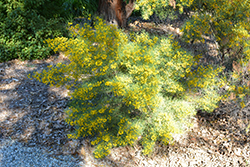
{"points": [[227, 21], [163, 8], [24, 26], [133, 87]]}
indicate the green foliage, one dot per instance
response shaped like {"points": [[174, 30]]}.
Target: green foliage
{"points": [[162, 8], [132, 86], [148, 7], [76, 8], [24, 26], [26, 23]]}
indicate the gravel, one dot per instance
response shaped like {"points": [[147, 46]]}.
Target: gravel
{"points": [[15, 154]]}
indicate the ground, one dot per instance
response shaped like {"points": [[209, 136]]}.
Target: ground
{"points": [[32, 113]]}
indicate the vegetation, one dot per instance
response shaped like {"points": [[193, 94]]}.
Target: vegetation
{"points": [[132, 87], [138, 86], [225, 21], [24, 26], [76, 8], [228, 23]]}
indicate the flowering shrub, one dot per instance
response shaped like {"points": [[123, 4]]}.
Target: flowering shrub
{"points": [[133, 87], [227, 21]]}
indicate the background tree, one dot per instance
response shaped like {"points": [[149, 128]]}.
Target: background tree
{"points": [[116, 11]]}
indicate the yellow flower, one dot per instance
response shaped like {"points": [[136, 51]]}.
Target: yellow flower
{"points": [[113, 66], [101, 110], [240, 90], [104, 57], [98, 63], [242, 104], [93, 112]]}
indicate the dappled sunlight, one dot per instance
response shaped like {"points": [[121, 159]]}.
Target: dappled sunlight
{"points": [[4, 115]]}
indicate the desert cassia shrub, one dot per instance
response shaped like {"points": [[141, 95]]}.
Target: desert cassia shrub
{"points": [[133, 87], [227, 21]]}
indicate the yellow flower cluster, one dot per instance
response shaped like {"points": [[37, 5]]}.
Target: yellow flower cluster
{"points": [[176, 65], [204, 77], [218, 18], [206, 80]]}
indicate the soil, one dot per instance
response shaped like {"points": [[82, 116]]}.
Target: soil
{"points": [[33, 113]]}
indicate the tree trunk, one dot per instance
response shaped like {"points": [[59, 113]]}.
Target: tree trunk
{"points": [[116, 11]]}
